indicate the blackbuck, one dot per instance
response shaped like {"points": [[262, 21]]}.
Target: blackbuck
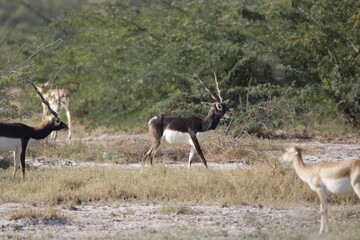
{"points": [[187, 130], [17, 137], [58, 99], [326, 177]]}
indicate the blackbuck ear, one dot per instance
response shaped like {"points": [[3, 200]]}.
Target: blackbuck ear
{"points": [[207, 104], [226, 102], [293, 150]]}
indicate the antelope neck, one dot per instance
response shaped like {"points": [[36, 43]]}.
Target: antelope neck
{"points": [[300, 167], [41, 131], [211, 121]]}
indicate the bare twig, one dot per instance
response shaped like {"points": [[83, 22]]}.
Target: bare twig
{"points": [[259, 150], [3, 39], [353, 46], [247, 95], [55, 76], [37, 51], [59, 102], [228, 127]]}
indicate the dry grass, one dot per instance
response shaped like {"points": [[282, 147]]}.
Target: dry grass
{"points": [[258, 185], [263, 182], [129, 148], [44, 215], [123, 150]]}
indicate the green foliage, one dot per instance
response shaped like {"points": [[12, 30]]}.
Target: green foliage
{"points": [[125, 61], [133, 62], [319, 41], [299, 111]]}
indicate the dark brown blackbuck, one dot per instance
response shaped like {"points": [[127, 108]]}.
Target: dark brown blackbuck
{"points": [[187, 130], [17, 137]]}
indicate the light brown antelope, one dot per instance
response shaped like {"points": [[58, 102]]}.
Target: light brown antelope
{"points": [[326, 177], [187, 130], [17, 137], [58, 99]]}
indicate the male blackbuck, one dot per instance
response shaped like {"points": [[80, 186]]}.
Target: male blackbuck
{"points": [[326, 177], [17, 137], [58, 99], [187, 130]]}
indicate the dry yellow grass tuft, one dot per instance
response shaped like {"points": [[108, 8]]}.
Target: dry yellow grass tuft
{"points": [[44, 215], [256, 185]]}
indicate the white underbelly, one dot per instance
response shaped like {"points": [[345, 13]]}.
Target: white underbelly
{"points": [[338, 186], [174, 137], [11, 144]]}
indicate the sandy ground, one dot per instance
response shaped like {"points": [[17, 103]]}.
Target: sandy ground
{"points": [[89, 221], [153, 221]]}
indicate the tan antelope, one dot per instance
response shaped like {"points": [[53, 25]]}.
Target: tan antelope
{"points": [[187, 130], [17, 137], [326, 177], [54, 97]]}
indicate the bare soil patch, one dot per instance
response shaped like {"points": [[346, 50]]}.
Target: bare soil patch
{"points": [[92, 221]]}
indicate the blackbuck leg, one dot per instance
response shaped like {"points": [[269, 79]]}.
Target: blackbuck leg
{"points": [[191, 156], [355, 182], [24, 143], [198, 148], [356, 186], [16, 160], [323, 210], [57, 109], [69, 121], [151, 153], [155, 146]]}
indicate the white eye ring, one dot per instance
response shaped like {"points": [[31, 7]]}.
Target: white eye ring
{"points": [[219, 106], [57, 122]]}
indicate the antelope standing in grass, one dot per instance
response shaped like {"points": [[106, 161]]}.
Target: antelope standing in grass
{"points": [[326, 177], [54, 97], [187, 130], [17, 137]]}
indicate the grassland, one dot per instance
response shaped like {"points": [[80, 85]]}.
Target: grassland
{"points": [[55, 191]]}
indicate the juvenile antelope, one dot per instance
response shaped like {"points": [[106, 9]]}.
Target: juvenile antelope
{"points": [[58, 99], [324, 177], [17, 137], [187, 130]]}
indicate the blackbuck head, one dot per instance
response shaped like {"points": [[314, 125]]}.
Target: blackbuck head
{"points": [[55, 124], [58, 99], [54, 120], [220, 107]]}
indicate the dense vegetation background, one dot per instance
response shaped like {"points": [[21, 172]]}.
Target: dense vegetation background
{"points": [[283, 64]]}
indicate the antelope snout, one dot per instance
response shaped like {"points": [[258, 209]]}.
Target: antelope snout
{"points": [[63, 127], [228, 114]]}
